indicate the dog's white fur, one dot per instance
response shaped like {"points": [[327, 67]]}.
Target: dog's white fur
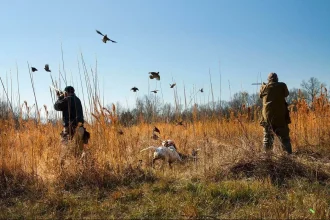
{"points": [[168, 154]]}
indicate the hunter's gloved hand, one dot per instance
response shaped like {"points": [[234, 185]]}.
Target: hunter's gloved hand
{"points": [[60, 95]]}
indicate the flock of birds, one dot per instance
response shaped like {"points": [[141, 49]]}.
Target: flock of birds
{"points": [[152, 75], [46, 68]]}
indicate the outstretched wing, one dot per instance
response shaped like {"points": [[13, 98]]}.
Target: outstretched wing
{"points": [[99, 32], [113, 41]]}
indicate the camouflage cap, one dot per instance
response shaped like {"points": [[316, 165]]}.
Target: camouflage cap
{"points": [[272, 77]]}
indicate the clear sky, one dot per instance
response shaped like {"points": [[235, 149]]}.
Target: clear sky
{"points": [[182, 39]]}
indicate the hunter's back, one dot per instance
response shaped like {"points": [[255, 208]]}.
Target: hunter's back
{"points": [[273, 97]]}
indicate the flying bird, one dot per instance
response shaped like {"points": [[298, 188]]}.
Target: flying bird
{"points": [[172, 85], [154, 75], [156, 130], [105, 37], [134, 89], [47, 68], [201, 90], [155, 91], [34, 69]]}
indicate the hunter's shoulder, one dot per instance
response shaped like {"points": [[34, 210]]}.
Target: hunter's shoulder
{"points": [[282, 83], [73, 97], [77, 98]]}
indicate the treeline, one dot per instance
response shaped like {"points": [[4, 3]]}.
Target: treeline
{"points": [[151, 109]]}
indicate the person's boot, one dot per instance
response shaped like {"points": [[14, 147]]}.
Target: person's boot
{"points": [[286, 144]]}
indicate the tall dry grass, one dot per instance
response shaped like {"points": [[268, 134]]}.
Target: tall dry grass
{"points": [[35, 147]]}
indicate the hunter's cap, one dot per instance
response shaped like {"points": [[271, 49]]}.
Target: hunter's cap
{"points": [[69, 89], [272, 77]]}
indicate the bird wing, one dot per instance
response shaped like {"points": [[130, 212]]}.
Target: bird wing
{"points": [[113, 41], [99, 32]]}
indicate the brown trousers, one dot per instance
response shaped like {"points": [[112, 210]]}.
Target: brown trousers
{"points": [[283, 133]]}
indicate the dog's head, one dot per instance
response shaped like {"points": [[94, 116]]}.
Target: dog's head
{"points": [[168, 143]]}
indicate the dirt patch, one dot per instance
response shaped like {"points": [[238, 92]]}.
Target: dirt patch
{"points": [[278, 168]]}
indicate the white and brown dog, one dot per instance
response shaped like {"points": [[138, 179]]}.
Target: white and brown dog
{"points": [[167, 152]]}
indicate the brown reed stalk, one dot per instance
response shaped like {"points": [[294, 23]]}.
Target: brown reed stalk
{"points": [[185, 97], [88, 84], [11, 87], [82, 87], [63, 66], [18, 92], [211, 90], [4, 89], [34, 93]]}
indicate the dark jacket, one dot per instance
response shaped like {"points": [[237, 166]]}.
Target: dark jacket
{"points": [[274, 109], [71, 108]]}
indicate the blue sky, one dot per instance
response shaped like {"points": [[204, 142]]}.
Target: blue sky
{"points": [[182, 39]]}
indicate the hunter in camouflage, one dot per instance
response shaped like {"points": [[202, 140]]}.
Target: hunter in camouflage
{"points": [[275, 115]]}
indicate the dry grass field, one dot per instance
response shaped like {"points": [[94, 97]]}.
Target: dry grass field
{"points": [[232, 177]]}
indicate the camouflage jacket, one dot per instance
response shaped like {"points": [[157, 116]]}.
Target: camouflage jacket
{"points": [[275, 110]]}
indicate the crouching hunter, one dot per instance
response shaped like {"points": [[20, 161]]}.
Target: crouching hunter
{"points": [[73, 133]]}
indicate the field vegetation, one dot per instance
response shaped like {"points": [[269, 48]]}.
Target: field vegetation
{"points": [[232, 177]]}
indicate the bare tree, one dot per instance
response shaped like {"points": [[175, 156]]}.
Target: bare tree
{"points": [[239, 99], [293, 95], [312, 88], [254, 100]]}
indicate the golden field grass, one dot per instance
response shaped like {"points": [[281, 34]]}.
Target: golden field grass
{"points": [[232, 178]]}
